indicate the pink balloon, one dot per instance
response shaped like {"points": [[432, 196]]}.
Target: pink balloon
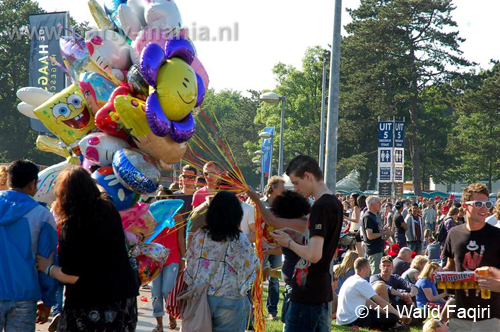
{"points": [[86, 164], [200, 70]]}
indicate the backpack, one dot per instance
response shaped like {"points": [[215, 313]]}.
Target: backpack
{"points": [[442, 233]]}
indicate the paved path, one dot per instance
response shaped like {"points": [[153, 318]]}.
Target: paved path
{"points": [[146, 321]]}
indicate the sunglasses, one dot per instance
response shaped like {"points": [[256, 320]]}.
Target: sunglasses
{"points": [[191, 177], [478, 204]]}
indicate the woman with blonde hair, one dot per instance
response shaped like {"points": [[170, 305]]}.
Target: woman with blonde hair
{"points": [[345, 269], [427, 291], [417, 265]]}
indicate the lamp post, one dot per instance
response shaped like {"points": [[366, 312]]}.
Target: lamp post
{"points": [[271, 97]]}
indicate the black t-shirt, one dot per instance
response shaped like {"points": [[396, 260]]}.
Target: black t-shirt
{"points": [[374, 246], [97, 254], [187, 207], [312, 283], [398, 219], [400, 266], [291, 259], [470, 250]]}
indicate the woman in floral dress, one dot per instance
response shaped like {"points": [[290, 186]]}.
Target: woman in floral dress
{"points": [[237, 270]]}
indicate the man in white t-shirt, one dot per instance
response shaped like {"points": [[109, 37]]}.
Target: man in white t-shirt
{"points": [[247, 225], [357, 295]]}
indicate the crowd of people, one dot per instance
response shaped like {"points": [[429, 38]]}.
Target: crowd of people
{"points": [[380, 276]]}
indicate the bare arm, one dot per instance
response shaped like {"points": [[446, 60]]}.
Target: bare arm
{"points": [[432, 298], [58, 274], [270, 219], [404, 225], [312, 252], [372, 236], [450, 265], [181, 236]]}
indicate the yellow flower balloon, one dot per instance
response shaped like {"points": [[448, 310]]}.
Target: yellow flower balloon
{"points": [[177, 89]]}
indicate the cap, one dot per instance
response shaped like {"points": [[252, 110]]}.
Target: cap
{"points": [[393, 250], [399, 205]]}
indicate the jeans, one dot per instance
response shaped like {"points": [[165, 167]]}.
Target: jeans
{"points": [[374, 260], [58, 307], [375, 320], [303, 317], [286, 302], [401, 239], [416, 246], [431, 227], [229, 315], [17, 316], [162, 286], [274, 286]]}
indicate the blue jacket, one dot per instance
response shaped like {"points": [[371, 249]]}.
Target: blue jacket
{"points": [[26, 229]]}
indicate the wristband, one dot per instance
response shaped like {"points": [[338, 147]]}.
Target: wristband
{"points": [[50, 270], [47, 270], [290, 240]]}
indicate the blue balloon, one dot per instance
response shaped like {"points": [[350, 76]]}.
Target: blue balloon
{"points": [[152, 57], [163, 211], [201, 91], [121, 196], [136, 171], [180, 48], [183, 130], [157, 120]]}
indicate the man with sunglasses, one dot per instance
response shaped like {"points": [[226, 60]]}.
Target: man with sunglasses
{"points": [[211, 172], [467, 247]]}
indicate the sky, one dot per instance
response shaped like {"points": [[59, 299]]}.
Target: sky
{"points": [[273, 31]]}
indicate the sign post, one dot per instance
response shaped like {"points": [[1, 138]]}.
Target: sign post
{"points": [[390, 172]]}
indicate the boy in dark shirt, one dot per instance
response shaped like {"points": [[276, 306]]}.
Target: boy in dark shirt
{"points": [[312, 279], [469, 246]]}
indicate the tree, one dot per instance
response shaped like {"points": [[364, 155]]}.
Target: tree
{"points": [[302, 89], [17, 140], [235, 114], [476, 134], [404, 46]]}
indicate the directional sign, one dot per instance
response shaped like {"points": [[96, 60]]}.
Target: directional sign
{"points": [[385, 134], [384, 156], [385, 174], [398, 156], [398, 189], [399, 134], [385, 189], [398, 174]]}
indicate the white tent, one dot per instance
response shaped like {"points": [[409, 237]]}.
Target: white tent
{"points": [[350, 182]]}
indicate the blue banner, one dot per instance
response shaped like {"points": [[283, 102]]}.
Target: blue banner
{"points": [[45, 43], [267, 147]]}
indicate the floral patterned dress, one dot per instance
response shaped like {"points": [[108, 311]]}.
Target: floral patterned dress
{"points": [[236, 272]]}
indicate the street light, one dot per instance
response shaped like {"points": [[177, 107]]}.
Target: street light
{"points": [[260, 153], [272, 98]]}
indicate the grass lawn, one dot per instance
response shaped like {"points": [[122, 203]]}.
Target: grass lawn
{"points": [[277, 326]]}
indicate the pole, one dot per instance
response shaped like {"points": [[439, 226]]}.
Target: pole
{"points": [[262, 174], [322, 132], [282, 129], [271, 159], [333, 102]]}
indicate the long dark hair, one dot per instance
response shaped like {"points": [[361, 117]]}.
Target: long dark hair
{"points": [[78, 198], [224, 217]]}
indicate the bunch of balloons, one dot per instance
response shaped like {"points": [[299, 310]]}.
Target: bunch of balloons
{"points": [[128, 113]]}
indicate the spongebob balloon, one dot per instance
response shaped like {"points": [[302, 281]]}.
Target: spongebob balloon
{"points": [[67, 115]]}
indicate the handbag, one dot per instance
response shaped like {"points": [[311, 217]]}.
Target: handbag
{"points": [[196, 314]]}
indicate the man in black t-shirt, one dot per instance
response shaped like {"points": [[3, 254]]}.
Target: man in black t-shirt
{"points": [[373, 236], [467, 247], [400, 226], [312, 279]]}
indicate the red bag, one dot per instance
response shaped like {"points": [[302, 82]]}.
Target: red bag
{"points": [[174, 306]]}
